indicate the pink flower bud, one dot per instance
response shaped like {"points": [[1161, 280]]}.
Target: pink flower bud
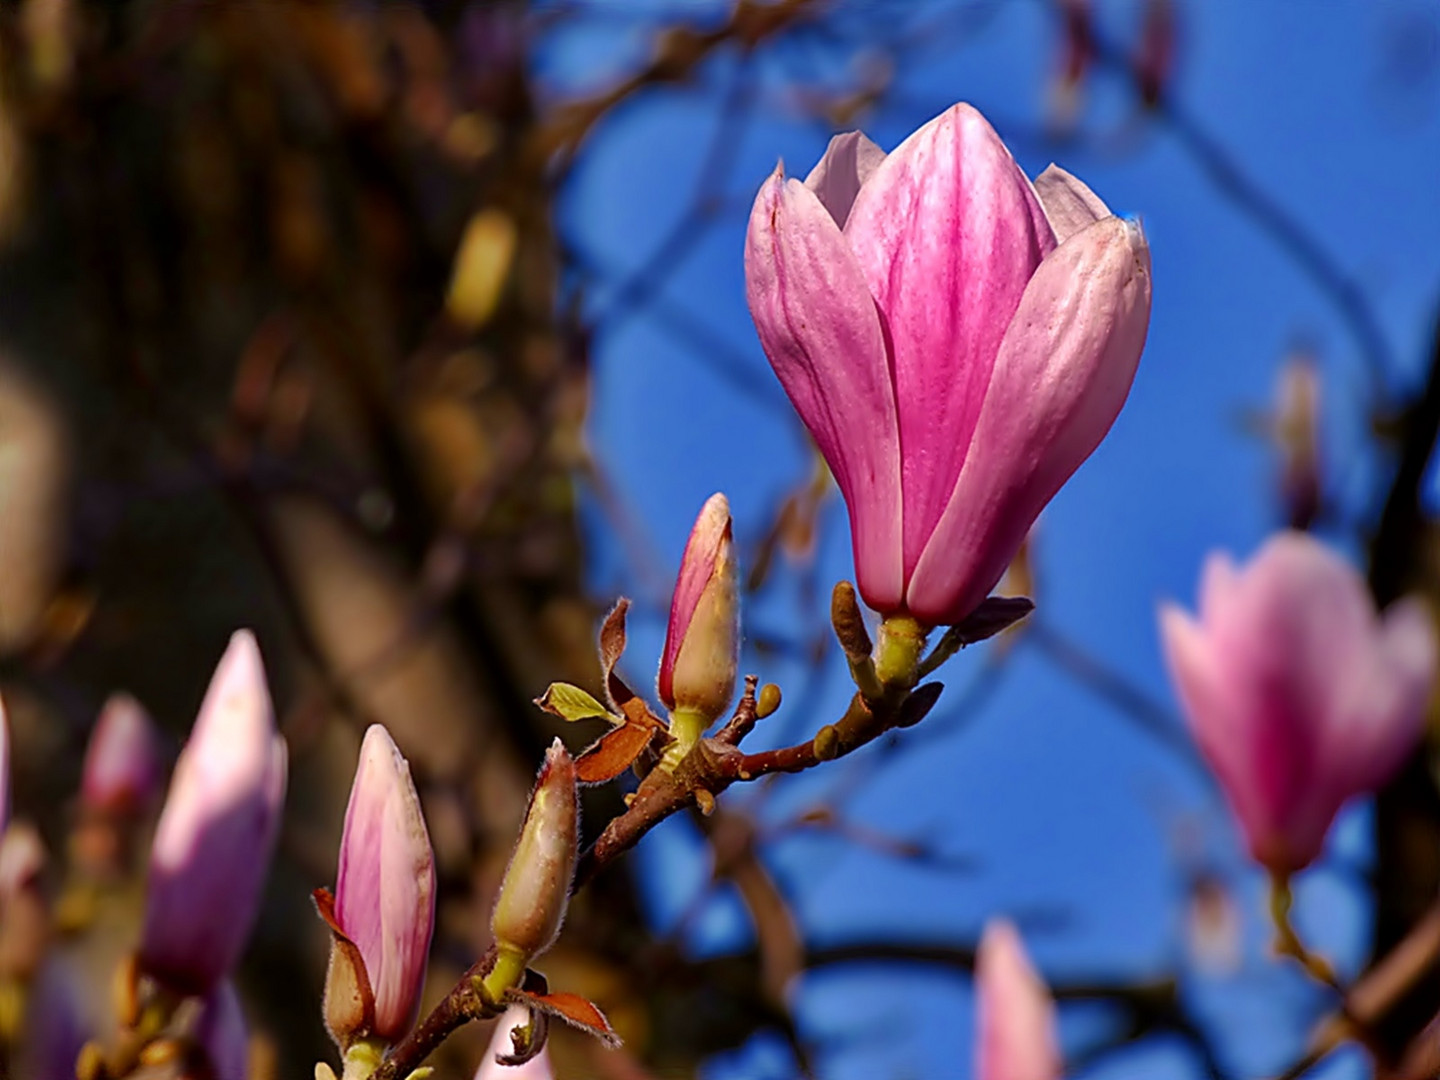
{"points": [[122, 773], [697, 669], [217, 830], [385, 884], [956, 339], [1016, 1014], [1299, 696], [536, 888], [221, 1034]]}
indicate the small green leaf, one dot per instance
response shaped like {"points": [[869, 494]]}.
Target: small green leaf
{"points": [[571, 703]]}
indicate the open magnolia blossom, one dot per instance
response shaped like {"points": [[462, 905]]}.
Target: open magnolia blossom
{"points": [[957, 339], [1016, 1015], [1298, 694]]}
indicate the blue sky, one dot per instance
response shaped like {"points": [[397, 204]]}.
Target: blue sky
{"points": [[1062, 803]]}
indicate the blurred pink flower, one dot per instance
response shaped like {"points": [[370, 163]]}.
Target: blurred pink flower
{"points": [[1016, 1015], [385, 883], [697, 668], [217, 830], [1298, 695], [956, 339], [122, 772], [221, 1034]]}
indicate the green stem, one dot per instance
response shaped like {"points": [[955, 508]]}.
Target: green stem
{"points": [[508, 971], [686, 727], [897, 653]]}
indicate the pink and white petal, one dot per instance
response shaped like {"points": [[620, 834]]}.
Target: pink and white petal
{"points": [[1016, 1014], [1380, 719], [697, 566], [1218, 582], [1069, 205], [819, 327], [841, 172], [1064, 370], [947, 233]]}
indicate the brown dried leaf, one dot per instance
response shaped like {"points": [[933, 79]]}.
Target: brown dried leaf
{"points": [[613, 753], [573, 1009]]}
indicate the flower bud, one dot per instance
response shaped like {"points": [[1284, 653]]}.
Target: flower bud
{"points": [[221, 1035], [385, 885], [122, 773], [1016, 1021], [536, 887], [697, 669], [217, 830]]}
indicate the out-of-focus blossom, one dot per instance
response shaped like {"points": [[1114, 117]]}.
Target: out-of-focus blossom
{"points": [[222, 1036], [123, 771], [537, 1068], [956, 339], [24, 916], [1299, 696], [56, 1026], [698, 666], [1077, 51], [536, 888], [385, 884], [217, 830], [1016, 1015]]}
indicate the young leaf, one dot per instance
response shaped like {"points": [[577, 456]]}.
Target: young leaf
{"points": [[613, 753], [572, 703]]}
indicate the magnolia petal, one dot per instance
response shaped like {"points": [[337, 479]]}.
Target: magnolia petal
{"points": [[841, 172], [1069, 205], [1017, 1037], [819, 327], [385, 882], [1380, 720], [1064, 370], [501, 1045], [947, 232], [4, 768]]}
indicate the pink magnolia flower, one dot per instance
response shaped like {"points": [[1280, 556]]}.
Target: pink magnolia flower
{"points": [[1299, 696], [698, 666], [1016, 1015], [123, 771], [217, 830], [385, 883], [956, 339]]}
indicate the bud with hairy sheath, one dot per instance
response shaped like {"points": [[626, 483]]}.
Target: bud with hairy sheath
{"points": [[536, 888]]}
